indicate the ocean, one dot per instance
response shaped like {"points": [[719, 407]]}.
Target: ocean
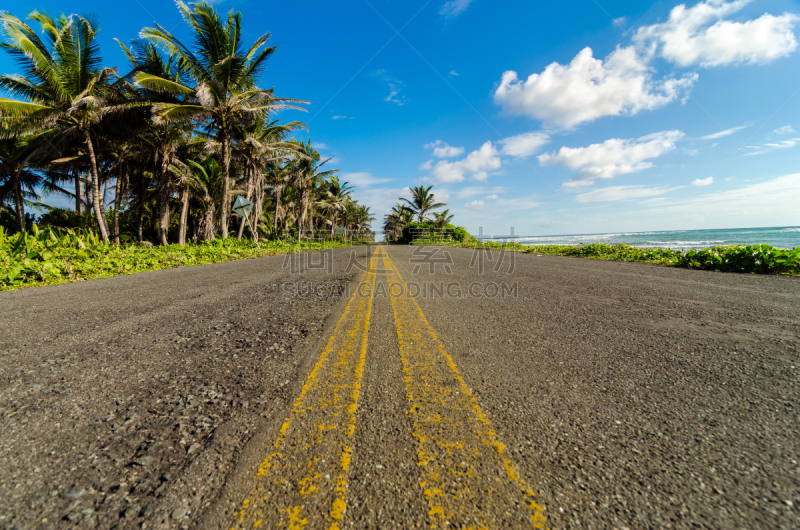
{"points": [[781, 237]]}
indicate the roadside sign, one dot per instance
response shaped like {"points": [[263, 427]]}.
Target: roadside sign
{"points": [[242, 206], [339, 231]]}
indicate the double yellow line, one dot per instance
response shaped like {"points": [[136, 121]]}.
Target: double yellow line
{"points": [[465, 476]]}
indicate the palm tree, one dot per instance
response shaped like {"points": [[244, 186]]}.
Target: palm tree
{"points": [[307, 175], [422, 202], [224, 74], [256, 146], [64, 86], [336, 197], [16, 177], [205, 180], [396, 221], [442, 219]]}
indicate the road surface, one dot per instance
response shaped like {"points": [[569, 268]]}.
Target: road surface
{"points": [[403, 387]]}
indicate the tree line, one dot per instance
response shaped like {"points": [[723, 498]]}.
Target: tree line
{"points": [[159, 151]]}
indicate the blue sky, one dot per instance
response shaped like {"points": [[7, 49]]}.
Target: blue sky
{"points": [[573, 117]]}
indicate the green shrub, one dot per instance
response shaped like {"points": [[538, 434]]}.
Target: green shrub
{"points": [[49, 255]]}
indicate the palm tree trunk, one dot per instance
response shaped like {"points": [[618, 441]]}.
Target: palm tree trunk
{"points": [[303, 211], [98, 213], [19, 202], [163, 201], [78, 200], [226, 173], [184, 215], [122, 182], [140, 213], [278, 208]]}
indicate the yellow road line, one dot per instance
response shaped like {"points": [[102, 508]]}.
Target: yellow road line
{"points": [[467, 479], [305, 476]]}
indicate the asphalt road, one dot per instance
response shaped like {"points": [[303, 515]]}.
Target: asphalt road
{"points": [[507, 391]]}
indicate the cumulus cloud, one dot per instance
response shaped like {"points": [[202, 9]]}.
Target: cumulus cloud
{"points": [[620, 22], [524, 145], [703, 182], [700, 36], [454, 8], [767, 148], [493, 196], [726, 132], [786, 129], [589, 88], [319, 146], [613, 157], [453, 73], [622, 193], [475, 204], [478, 164], [444, 150], [339, 117]]}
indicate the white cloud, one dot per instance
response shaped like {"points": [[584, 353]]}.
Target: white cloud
{"points": [[786, 129], [703, 182], [620, 22], [766, 148], [478, 164], [699, 36], [427, 165], [524, 145], [444, 150], [589, 88], [338, 117], [622, 193], [691, 152], [454, 8], [361, 179], [453, 73], [475, 204], [613, 157], [320, 146], [726, 132], [769, 203], [493, 196]]}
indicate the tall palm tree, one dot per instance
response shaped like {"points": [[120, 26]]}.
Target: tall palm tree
{"points": [[307, 169], [336, 197], [256, 146], [205, 181], [396, 221], [422, 201], [224, 74], [64, 86]]}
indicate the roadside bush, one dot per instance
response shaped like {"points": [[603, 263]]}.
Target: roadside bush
{"points": [[51, 255], [757, 259], [427, 233]]}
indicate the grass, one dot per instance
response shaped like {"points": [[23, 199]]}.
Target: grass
{"points": [[756, 259], [53, 256]]}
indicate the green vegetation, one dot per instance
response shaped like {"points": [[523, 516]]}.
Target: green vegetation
{"points": [[50, 256], [158, 150], [400, 227], [757, 259]]}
